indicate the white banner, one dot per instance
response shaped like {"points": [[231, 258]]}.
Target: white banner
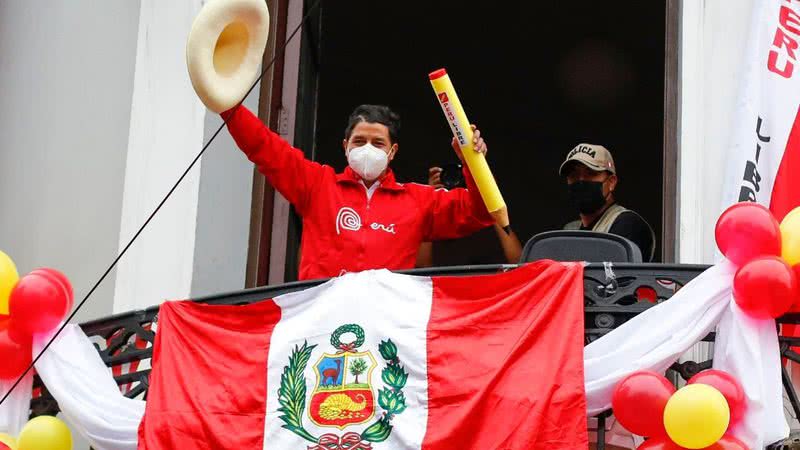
{"points": [[766, 110]]}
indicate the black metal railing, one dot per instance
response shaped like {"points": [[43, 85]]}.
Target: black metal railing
{"points": [[612, 294]]}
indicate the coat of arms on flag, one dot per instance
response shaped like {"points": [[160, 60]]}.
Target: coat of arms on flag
{"points": [[343, 395]]}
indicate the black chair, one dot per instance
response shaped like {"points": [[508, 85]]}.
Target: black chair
{"points": [[568, 245]]}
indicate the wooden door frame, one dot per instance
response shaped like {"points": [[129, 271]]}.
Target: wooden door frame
{"points": [[269, 104], [305, 126], [672, 109]]}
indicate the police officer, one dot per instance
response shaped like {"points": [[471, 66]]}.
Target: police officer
{"points": [[591, 181]]}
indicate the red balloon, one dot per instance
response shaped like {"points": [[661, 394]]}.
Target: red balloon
{"points": [[15, 357], [796, 305], [639, 400], [662, 443], [746, 231], [14, 332], [730, 388], [765, 287], [37, 303], [61, 278], [17, 333], [727, 442], [4, 446]]}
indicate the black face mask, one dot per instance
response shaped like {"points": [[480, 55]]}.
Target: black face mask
{"points": [[586, 196]]}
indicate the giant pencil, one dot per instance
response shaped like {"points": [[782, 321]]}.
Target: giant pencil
{"points": [[457, 118]]}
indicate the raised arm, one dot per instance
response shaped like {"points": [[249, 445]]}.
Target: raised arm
{"points": [[285, 167]]}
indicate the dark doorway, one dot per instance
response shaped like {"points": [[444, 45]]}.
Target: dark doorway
{"points": [[537, 78]]}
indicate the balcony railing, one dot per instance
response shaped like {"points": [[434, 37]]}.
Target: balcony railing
{"points": [[612, 296]]}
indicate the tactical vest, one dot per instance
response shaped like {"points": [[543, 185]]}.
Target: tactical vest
{"points": [[606, 221]]}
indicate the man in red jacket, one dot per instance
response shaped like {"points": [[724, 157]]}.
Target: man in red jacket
{"points": [[361, 218]]}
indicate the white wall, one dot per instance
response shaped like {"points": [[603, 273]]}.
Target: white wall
{"points": [[223, 212], [166, 132], [197, 243], [714, 35], [98, 119], [66, 79]]}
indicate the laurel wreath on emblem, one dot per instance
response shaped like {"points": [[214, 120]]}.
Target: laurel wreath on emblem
{"points": [[292, 392], [349, 328]]}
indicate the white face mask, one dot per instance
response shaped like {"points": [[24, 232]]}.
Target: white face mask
{"points": [[368, 161]]}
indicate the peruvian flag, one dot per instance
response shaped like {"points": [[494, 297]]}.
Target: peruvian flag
{"points": [[377, 360]]}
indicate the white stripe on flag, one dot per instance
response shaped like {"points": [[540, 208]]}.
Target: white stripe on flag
{"points": [[378, 301]]}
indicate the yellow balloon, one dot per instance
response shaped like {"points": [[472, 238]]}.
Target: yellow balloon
{"points": [[790, 237], [45, 433], [8, 278], [9, 441], [696, 416]]}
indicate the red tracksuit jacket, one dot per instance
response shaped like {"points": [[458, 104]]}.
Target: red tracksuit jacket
{"points": [[342, 229]]}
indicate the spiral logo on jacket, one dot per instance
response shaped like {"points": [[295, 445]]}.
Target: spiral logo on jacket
{"points": [[347, 219]]}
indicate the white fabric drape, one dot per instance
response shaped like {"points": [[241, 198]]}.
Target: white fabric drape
{"points": [[14, 411], [748, 349], [87, 394], [656, 338]]}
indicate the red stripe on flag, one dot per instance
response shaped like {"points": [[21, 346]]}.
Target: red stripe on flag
{"points": [[786, 191], [505, 361], [209, 380]]}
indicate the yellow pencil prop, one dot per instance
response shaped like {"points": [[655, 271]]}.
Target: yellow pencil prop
{"points": [[457, 118]]}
